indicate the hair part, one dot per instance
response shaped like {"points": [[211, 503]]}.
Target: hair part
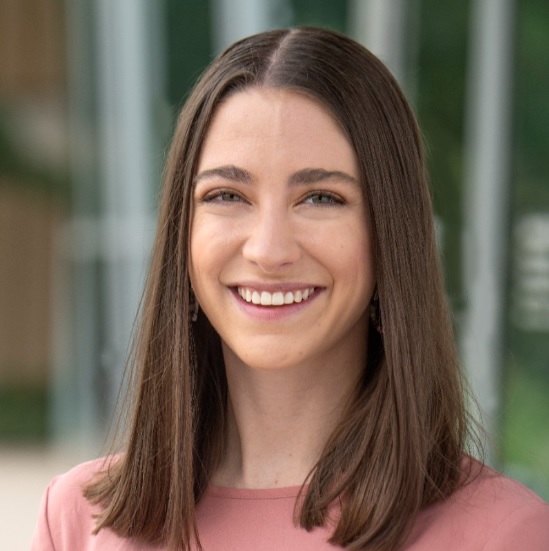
{"points": [[399, 445]]}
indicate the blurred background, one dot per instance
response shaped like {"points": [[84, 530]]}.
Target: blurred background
{"points": [[89, 91]]}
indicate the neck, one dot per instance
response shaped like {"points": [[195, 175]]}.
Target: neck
{"points": [[279, 420]]}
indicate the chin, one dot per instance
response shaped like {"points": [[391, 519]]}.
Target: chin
{"points": [[265, 357]]}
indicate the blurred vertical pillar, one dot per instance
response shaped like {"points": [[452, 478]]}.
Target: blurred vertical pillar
{"points": [[114, 76], [390, 29], [487, 190], [235, 19], [75, 294], [126, 76]]}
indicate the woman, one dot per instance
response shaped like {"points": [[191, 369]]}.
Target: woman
{"points": [[296, 380]]}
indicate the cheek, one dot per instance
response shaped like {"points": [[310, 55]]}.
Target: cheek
{"points": [[199, 252], [212, 243], [358, 265], [347, 248], [355, 267]]}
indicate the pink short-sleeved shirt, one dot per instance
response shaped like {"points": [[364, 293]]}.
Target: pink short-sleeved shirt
{"points": [[492, 513]]}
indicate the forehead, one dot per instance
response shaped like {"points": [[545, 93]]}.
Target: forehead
{"points": [[289, 103], [266, 120]]}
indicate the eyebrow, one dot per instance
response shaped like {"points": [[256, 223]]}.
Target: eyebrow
{"points": [[227, 172], [304, 176], [313, 175]]}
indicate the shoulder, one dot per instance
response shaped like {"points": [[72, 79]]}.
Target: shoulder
{"points": [[70, 485], [488, 512], [65, 493], [498, 496], [66, 518]]}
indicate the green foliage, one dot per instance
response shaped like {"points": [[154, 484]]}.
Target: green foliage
{"points": [[440, 105], [320, 13], [189, 45], [531, 190], [23, 414], [17, 168], [525, 413]]}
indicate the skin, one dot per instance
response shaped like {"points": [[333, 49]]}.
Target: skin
{"points": [[278, 207]]}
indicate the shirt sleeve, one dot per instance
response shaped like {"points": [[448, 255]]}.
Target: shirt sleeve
{"points": [[42, 539], [526, 528]]}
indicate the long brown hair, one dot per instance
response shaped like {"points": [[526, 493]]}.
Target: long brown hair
{"points": [[399, 445]]}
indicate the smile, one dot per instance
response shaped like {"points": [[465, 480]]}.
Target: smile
{"points": [[278, 298]]}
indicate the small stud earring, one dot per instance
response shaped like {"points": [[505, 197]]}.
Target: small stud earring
{"points": [[194, 308], [375, 313]]}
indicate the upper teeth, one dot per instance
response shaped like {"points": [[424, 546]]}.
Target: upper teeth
{"points": [[274, 299]]}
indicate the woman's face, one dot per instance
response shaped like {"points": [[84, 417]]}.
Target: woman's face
{"points": [[281, 255]]}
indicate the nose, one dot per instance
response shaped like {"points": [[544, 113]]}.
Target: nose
{"points": [[271, 242]]}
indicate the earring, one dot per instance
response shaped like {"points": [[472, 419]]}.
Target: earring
{"points": [[375, 313], [194, 308]]}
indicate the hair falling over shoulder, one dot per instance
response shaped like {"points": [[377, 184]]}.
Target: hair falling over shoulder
{"points": [[400, 443]]}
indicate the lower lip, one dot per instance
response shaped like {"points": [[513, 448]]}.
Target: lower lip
{"points": [[273, 313]]}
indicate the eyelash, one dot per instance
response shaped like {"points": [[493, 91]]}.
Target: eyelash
{"points": [[334, 200], [217, 196]]}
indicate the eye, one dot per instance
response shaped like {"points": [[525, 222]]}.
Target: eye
{"points": [[222, 196], [323, 198]]}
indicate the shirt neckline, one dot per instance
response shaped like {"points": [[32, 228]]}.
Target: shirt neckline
{"points": [[253, 493]]}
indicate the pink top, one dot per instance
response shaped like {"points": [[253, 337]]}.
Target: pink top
{"points": [[492, 513]]}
